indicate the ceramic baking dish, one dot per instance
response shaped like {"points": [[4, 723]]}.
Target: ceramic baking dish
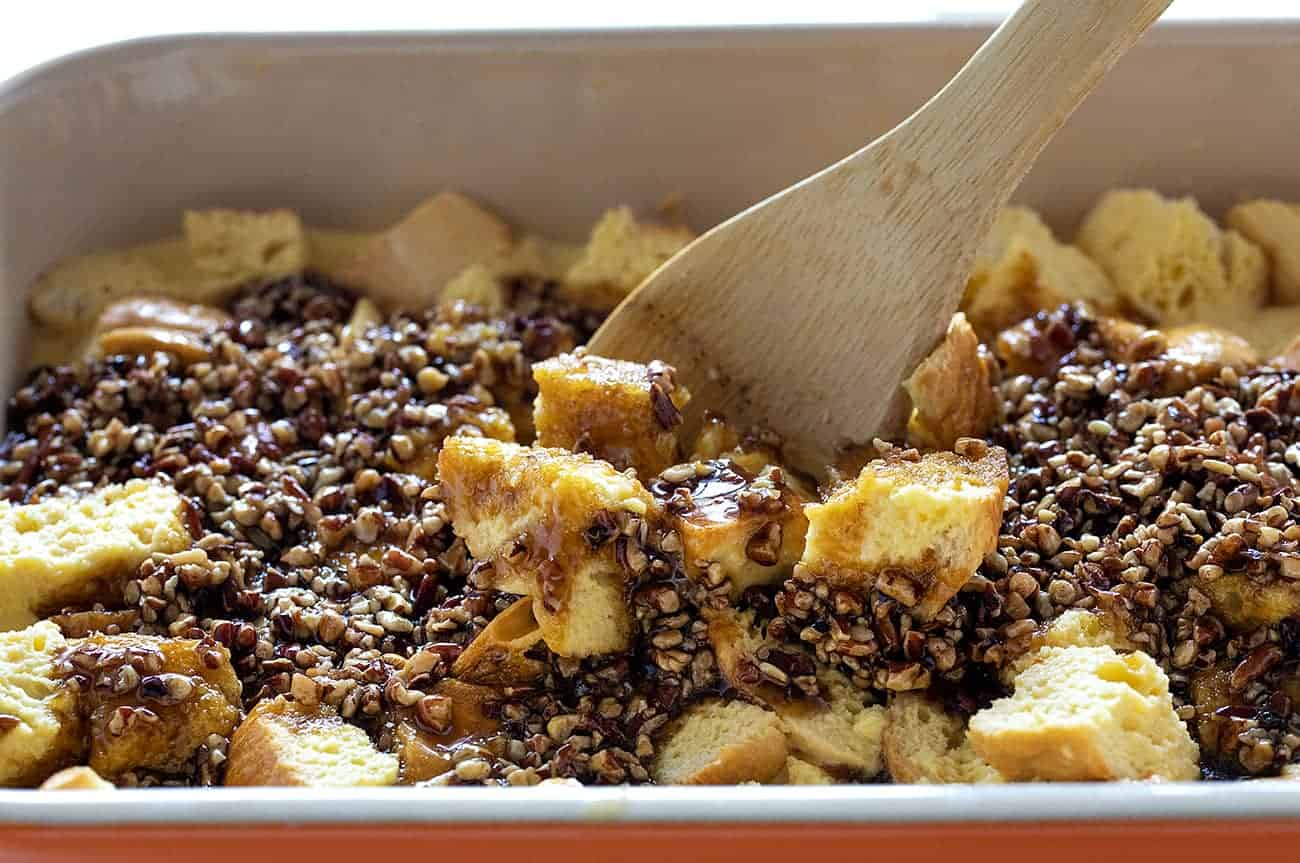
{"points": [[106, 147]]}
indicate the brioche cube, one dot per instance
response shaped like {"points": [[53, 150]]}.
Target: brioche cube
{"points": [[914, 527], [1087, 713], [1274, 226], [477, 285], [1075, 627], [231, 247], [619, 255], [456, 710], [625, 413], [285, 743], [733, 524], [408, 265], [925, 744], [66, 551], [1245, 603], [717, 742], [800, 772], [1021, 269], [1203, 345], [547, 519], [1169, 260], [499, 655], [952, 390], [76, 779], [152, 702], [40, 730]]}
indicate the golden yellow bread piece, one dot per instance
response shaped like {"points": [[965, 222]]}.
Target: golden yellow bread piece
{"points": [[1274, 226], [735, 526], [914, 527], [231, 247], [485, 284], [150, 703], [331, 251], [800, 772], [408, 265], [718, 742], [1170, 261], [1085, 714], [40, 730], [67, 551], [625, 413], [284, 743], [1245, 603], [76, 779], [1075, 627], [549, 522], [620, 253], [925, 744], [365, 316], [427, 733], [952, 390], [1211, 691], [1021, 269], [498, 656], [1200, 344], [477, 285], [835, 730]]}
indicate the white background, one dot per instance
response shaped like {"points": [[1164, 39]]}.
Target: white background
{"points": [[33, 31]]}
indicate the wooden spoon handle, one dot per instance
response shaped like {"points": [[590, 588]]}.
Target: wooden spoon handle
{"points": [[988, 125]]}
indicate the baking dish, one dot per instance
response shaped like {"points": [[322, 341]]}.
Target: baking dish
{"points": [[106, 147]]}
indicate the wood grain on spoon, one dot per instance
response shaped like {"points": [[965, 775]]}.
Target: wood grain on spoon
{"points": [[806, 312]]}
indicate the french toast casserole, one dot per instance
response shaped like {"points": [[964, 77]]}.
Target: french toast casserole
{"points": [[288, 506]]}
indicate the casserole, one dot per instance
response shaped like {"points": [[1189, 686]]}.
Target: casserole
{"points": [[100, 149]]}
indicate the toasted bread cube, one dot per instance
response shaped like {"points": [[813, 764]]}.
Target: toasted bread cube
{"points": [[498, 656], [1245, 603], [914, 527], [1211, 692], [40, 730], [800, 772], [1170, 261], [408, 265], [285, 743], [619, 255], [925, 744], [1021, 269], [174, 694], [548, 521], [76, 779], [237, 246], [719, 742], [455, 711], [733, 525], [1087, 713], [1075, 627], [1203, 345], [1274, 226], [477, 285], [67, 551], [835, 731], [625, 413], [952, 390]]}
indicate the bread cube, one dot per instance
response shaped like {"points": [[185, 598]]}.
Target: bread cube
{"points": [[717, 742], [549, 522], [231, 247], [40, 730], [1170, 261], [1274, 226], [800, 772], [285, 743], [914, 527], [748, 529], [625, 413], [619, 255], [1203, 345], [76, 779], [1211, 691], [498, 656], [1086, 713], [925, 744], [408, 265], [1021, 269], [151, 702], [1245, 603], [952, 390], [426, 733], [67, 551]]}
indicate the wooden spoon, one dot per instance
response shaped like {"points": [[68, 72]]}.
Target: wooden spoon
{"points": [[806, 312]]}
